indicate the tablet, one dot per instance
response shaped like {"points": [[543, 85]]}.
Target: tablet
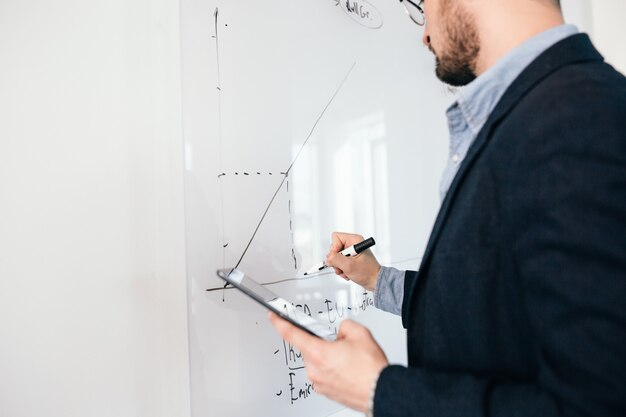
{"points": [[274, 303]]}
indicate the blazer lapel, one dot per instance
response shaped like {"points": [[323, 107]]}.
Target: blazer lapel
{"points": [[574, 49]]}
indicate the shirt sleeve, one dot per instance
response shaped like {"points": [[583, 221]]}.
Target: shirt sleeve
{"points": [[389, 291]]}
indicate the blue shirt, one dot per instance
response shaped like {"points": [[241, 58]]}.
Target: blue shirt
{"points": [[466, 117]]}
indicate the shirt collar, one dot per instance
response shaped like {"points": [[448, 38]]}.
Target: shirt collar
{"points": [[477, 100]]}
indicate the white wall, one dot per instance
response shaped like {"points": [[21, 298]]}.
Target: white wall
{"points": [[92, 283], [578, 12], [609, 30], [603, 20]]}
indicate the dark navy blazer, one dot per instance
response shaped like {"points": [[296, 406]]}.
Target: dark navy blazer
{"points": [[519, 307]]}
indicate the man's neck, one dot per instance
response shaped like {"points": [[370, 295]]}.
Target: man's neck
{"points": [[504, 26]]}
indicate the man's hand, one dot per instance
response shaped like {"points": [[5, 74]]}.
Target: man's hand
{"points": [[362, 269], [343, 370]]}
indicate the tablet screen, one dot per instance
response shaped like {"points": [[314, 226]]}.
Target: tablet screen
{"points": [[273, 302]]}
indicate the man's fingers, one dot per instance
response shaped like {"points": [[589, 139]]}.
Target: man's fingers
{"points": [[341, 241], [339, 262], [351, 328], [338, 242]]}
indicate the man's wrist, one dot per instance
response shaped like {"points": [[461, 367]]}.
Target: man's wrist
{"points": [[372, 394]]}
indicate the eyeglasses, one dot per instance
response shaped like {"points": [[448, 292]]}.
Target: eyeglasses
{"points": [[415, 10]]}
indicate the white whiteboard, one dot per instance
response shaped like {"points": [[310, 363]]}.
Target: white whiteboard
{"points": [[256, 79]]}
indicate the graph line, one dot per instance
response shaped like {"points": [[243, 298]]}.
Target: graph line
{"points": [[219, 128], [294, 161], [311, 276]]}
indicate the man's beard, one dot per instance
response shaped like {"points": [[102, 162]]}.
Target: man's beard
{"points": [[456, 65]]}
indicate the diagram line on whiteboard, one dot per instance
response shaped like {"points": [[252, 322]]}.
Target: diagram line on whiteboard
{"points": [[314, 275], [219, 129], [293, 245], [294, 161], [273, 282]]}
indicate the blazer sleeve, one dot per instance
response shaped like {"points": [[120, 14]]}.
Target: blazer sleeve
{"points": [[567, 203]]}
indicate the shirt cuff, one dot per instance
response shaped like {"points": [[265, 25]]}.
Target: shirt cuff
{"points": [[389, 290]]}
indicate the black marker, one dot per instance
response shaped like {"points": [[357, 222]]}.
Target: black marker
{"points": [[351, 251]]}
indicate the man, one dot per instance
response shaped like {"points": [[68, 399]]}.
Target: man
{"points": [[519, 306]]}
